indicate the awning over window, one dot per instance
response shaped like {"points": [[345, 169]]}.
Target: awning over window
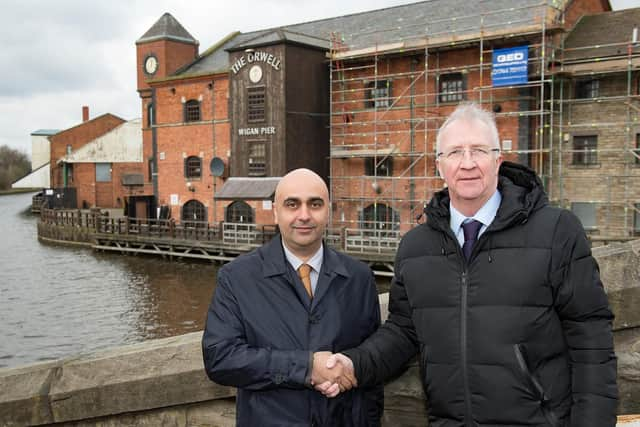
{"points": [[241, 188]]}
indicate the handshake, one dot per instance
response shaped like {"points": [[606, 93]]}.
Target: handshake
{"points": [[332, 374]]}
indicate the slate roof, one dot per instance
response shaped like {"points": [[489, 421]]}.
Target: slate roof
{"points": [[45, 132], [167, 28], [426, 19], [241, 188], [602, 29]]}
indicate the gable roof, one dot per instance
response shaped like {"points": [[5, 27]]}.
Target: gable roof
{"points": [[602, 35], [167, 28], [399, 27], [121, 144]]}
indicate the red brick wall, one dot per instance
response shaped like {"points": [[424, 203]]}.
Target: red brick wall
{"points": [[577, 9], [171, 55], [177, 140], [106, 194], [77, 137], [406, 193]]}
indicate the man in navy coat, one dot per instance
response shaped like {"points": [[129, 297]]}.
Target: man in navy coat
{"points": [[278, 305]]}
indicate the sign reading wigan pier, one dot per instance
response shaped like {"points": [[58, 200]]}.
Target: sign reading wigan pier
{"points": [[510, 66], [258, 56]]}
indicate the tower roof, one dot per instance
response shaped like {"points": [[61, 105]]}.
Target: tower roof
{"points": [[167, 28]]}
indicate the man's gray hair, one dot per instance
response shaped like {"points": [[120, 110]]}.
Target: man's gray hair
{"points": [[471, 111]]}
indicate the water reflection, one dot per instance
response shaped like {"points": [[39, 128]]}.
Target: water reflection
{"points": [[57, 301]]}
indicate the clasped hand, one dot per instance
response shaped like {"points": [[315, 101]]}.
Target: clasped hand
{"points": [[332, 373]]}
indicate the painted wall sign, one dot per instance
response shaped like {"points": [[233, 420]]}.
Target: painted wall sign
{"points": [[510, 66], [258, 56], [266, 130]]}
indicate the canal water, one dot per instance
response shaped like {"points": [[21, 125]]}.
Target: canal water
{"points": [[58, 301]]}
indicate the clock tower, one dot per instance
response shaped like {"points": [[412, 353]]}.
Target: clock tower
{"points": [[163, 49]]}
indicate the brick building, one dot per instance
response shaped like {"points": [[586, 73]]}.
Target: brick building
{"points": [[597, 114], [358, 98], [101, 160]]}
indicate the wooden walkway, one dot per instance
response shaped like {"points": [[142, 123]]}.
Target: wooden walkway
{"points": [[216, 242]]}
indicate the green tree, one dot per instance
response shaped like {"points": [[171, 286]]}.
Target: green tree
{"points": [[13, 166]]}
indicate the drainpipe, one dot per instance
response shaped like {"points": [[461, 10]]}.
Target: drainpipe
{"points": [[154, 147], [412, 135]]}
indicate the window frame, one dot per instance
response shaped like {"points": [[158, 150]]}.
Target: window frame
{"points": [[584, 150], [587, 89], [445, 94], [374, 166], [192, 112], [378, 94], [577, 209], [100, 175], [257, 168], [239, 206], [256, 104], [193, 167], [636, 219]]}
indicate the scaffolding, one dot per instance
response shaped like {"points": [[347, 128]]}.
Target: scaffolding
{"points": [[389, 98]]}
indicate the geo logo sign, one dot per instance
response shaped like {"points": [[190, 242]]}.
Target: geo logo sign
{"points": [[510, 66]]}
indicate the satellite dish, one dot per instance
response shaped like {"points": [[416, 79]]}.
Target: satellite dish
{"points": [[216, 166]]}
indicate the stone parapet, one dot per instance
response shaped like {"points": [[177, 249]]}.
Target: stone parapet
{"points": [[162, 382]]}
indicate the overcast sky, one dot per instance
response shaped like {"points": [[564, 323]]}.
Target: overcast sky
{"points": [[59, 55]]}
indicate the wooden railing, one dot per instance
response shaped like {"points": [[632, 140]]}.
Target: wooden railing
{"points": [[351, 240]]}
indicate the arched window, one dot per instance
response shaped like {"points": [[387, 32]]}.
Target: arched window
{"points": [[192, 167], [192, 110], [379, 217], [239, 212], [195, 211]]}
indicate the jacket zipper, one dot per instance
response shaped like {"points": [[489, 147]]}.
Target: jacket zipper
{"points": [[463, 347], [546, 411]]}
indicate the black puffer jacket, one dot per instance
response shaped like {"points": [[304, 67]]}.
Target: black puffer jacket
{"points": [[520, 335]]}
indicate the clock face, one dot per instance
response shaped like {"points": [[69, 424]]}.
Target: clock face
{"points": [[255, 74], [151, 64]]}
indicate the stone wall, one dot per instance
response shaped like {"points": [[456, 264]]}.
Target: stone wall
{"points": [[162, 382]]}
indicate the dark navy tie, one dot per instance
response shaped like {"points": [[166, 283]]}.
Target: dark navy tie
{"points": [[470, 229]]}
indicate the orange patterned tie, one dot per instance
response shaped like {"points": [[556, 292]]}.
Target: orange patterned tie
{"points": [[304, 271]]}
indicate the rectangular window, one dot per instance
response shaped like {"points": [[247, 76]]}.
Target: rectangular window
{"points": [[103, 172], [586, 213], [378, 166], [256, 104], [636, 219], [584, 150], [587, 89], [257, 159], [451, 87], [636, 152], [193, 167], [377, 94]]}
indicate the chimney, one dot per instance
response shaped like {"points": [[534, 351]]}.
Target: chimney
{"points": [[85, 113]]}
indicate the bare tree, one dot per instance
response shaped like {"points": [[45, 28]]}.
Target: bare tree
{"points": [[13, 166]]}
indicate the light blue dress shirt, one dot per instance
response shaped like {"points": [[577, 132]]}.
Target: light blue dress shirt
{"points": [[486, 214], [315, 262]]}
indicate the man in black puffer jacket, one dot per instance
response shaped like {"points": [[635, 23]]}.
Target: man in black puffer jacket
{"points": [[517, 332]]}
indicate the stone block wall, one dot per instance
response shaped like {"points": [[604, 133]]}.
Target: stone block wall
{"points": [[162, 382]]}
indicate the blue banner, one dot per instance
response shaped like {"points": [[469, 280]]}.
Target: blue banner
{"points": [[510, 66]]}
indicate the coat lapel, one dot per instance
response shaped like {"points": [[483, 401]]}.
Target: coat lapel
{"points": [[276, 264], [332, 268]]}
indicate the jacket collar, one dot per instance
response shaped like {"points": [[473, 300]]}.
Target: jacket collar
{"points": [[275, 262], [522, 193]]}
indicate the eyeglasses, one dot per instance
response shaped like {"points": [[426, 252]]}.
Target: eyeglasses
{"points": [[476, 153]]}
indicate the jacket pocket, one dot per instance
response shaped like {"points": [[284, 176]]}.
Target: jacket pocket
{"points": [[535, 385]]}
